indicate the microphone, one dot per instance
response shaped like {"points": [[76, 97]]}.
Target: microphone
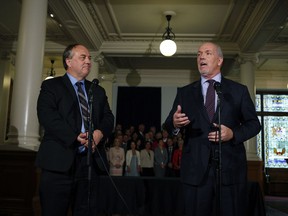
{"points": [[217, 87], [95, 82]]}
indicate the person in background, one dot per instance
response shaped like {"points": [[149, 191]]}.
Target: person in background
{"points": [[62, 155], [195, 111], [134, 137], [133, 162], [124, 145], [153, 131], [177, 156], [116, 132], [160, 159], [158, 136], [147, 160], [165, 136], [141, 132], [116, 158], [125, 142], [170, 172]]}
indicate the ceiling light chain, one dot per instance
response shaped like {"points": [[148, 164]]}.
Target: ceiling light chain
{"points": [[168, 46], [169, 31]]}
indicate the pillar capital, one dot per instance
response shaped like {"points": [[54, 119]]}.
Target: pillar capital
{"points": [[99, 59], [105, 77], [248, 57]]}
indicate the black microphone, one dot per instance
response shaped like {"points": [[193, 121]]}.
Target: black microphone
{"points": [[217, 87], [95, 82]]}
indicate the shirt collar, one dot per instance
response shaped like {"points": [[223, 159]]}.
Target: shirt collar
{"points": [[217, 78], [73, 80]]}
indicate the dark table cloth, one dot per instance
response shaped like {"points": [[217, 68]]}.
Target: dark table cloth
{"points": [[154, 196]]}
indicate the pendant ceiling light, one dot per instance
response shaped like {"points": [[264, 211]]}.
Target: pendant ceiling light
{"points": [[51, 72], [168, 46]]}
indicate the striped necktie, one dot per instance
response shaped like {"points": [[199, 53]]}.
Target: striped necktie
{"points": [[83, 105], [84, 110], [210, 99]]}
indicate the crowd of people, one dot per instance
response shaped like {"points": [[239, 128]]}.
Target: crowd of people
{"points": [[136, 151]]}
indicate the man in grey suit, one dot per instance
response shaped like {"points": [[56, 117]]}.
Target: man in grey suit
{"points": [[200, 154], [62, 155]]}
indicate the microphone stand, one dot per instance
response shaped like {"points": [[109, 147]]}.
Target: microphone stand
{"points": [[90, 141], [219, 164]]}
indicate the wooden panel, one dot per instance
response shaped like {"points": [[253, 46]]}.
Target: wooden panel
{"points": [[277, 183], [17, 182], [256, 173]]}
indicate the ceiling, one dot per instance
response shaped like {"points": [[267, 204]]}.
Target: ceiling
{"points": [[127, 33]]}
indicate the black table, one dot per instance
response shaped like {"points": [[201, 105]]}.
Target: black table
{"points": [[154, 196]]}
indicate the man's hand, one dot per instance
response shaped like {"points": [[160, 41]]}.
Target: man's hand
{"points": [[97, 136], [226, 134], [83, 139], [180, 119]]}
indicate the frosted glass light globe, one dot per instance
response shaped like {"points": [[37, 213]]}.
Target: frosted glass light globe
{"points": [[168, 47]]}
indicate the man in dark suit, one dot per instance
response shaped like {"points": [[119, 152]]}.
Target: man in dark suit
{"points": [[62, 155], [200, 156]]}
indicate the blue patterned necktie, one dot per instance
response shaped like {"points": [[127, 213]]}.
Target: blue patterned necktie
{"points": [[84, 110], [210, 99]]}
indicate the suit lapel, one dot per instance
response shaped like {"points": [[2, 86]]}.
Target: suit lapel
{"points": [[69, 87], [74, 103], [200, 101], [196, 101], [225, 88], [95, 102]]}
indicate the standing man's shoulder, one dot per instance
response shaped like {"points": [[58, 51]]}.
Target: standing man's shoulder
{"points": [[229, 82], [94, 85], [56, 83], [190, 86], [231, 86]]}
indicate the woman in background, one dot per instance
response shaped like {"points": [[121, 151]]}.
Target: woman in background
{"points": [[117, 158], [147, 160], [133, 164]]}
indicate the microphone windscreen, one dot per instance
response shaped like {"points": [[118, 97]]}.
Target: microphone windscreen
{"points": [[217, 87], [95, 81]]}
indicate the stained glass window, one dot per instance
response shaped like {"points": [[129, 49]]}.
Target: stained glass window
{"points": [[258, 102], [276, 141], [259, 142], [275, 103], [272, 142]]}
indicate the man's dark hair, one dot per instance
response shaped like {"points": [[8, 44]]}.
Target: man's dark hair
{"points": [[68, 54]]}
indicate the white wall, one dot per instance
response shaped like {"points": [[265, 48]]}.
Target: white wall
{"points": [[167, 98]]}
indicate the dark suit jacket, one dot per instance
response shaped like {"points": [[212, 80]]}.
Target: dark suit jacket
{"points": [[59, 114], [237, 112]]}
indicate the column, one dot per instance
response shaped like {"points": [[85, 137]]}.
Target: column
{"points": [[24, 126], [7, 66], [247, 77], [106, 82]]}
